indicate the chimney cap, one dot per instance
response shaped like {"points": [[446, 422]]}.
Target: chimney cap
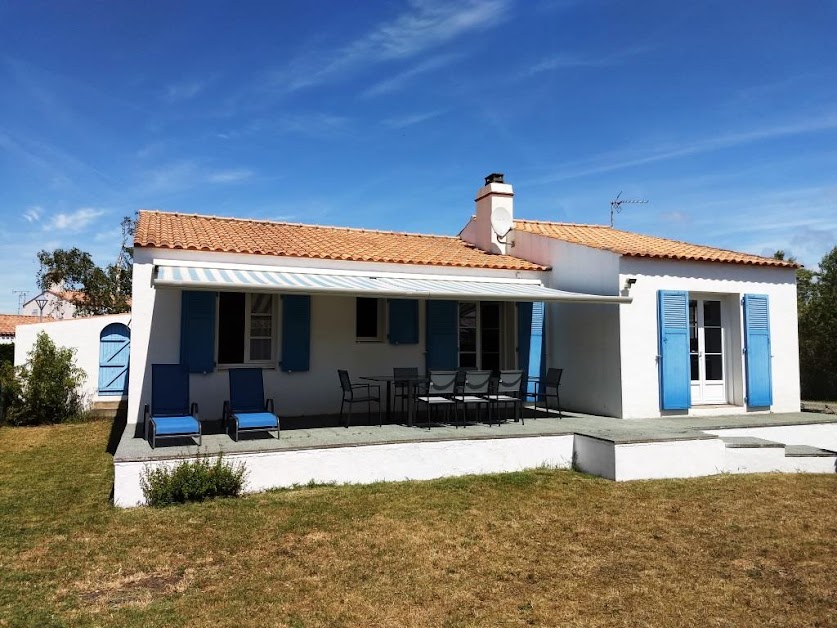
{"points": [[494, 177]]}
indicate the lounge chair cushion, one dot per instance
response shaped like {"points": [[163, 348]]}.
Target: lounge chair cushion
{"points": [[256, 420], [176, 425]]}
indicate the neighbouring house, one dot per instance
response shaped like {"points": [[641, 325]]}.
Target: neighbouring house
{"points": [[58, 303], [643, 326], [9, 323]]}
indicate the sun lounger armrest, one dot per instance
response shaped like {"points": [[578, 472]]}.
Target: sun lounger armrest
{"points": [[146, 411], [194, 410], [225, 413], [268, 406]]}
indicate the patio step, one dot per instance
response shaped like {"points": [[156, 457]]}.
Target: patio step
{"points": [[109, 410], [750, 454]]}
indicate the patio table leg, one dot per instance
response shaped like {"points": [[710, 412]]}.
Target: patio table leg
{"points": [[389, 405]]}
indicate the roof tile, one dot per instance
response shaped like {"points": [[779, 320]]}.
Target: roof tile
{"points": [[639, 245], [235, 235], [8, 322]]}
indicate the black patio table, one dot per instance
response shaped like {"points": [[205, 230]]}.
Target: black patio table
{"points": [[411, 387]]}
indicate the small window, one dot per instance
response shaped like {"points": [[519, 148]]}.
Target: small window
{"points": [[245, 328], [369, 319]]}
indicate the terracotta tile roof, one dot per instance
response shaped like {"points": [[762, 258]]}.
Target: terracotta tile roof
{"points": [[638, 245], [8, 322], [235, 235]]}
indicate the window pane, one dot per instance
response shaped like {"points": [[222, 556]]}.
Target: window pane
{"points": [[490, 315], [467, 314], [468, 360], [712, 338], [260, 348], [366, 317], [712, 313], [260, 326], [260, 303], [693, 313], [695, 368], [231, 328], [490, 340], [467, 339], [714, 367], [693, 339]]}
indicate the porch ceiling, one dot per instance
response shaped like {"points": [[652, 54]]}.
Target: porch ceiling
{"points": [[368, 284]]}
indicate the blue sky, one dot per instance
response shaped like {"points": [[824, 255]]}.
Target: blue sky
{"points": [[388, 114]]}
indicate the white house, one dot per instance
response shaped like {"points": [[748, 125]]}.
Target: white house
{"points": [[58, 303], [643, 326]]}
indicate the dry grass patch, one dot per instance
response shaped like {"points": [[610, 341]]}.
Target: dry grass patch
{"points": [[536, 548]]}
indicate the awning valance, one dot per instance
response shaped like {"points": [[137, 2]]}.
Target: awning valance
{"points": [[368, 284]]}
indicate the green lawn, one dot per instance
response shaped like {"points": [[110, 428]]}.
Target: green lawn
{"points": [[536, 548]]}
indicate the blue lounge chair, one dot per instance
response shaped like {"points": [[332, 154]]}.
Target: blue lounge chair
{"points": [[170, 415], [247, 409]]}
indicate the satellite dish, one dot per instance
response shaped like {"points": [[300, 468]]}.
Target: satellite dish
{"points": [[501, 221]]}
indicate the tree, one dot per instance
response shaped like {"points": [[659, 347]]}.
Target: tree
{"points": [[817, 305], [46, 388], [97, 290]]}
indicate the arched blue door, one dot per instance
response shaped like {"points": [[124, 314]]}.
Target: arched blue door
{"points": [[114, 349]]}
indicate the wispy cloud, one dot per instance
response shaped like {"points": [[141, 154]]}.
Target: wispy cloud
{"points": [[33, 213], [569, 60], [425, 25], [311, 123], [616, 161], [229, 176], [185, 174], [77, 220], [401, 122], [185, 90], [403, 78]]}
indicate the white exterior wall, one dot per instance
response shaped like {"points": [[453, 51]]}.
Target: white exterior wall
{"points": [[333, 342], [582, 338], [639, 335], [81, 334]]}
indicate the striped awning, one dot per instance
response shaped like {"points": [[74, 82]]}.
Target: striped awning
{"points": [[372, 284]]}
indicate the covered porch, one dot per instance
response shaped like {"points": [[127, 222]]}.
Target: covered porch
{"points": [[300, 325]]}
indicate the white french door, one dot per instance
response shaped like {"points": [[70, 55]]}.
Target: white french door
{"points": [[706, 348]]}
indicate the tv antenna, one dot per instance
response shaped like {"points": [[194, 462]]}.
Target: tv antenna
{"points": [[616, 205], [21, 298]]}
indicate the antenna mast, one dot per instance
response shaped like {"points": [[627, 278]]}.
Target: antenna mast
{"points": [[21, 298], [616, 205]]}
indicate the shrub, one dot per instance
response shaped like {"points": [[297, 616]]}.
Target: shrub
{"points": [[192, 481], [7, 353], [46, 388]]}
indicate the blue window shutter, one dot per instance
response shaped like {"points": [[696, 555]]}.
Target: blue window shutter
{"points": [[757, 350], [403, 322], [537, 350], [296, 332], [442, 328], [197, 331], [675, 369], [524, 334]]}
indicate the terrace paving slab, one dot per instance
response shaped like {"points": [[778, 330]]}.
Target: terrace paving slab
{"points": [[793, 451], [621, 431]]}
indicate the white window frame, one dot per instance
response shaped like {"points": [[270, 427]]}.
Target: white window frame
{"points": [[271, 362]]}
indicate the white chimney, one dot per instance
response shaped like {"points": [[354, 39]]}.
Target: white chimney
{"points": [[495, 213]]}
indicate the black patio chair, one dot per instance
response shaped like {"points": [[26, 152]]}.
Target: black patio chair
{"points": [[473, 392], [354, 392], [439, 392], [549, 389], [508, 391]]}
